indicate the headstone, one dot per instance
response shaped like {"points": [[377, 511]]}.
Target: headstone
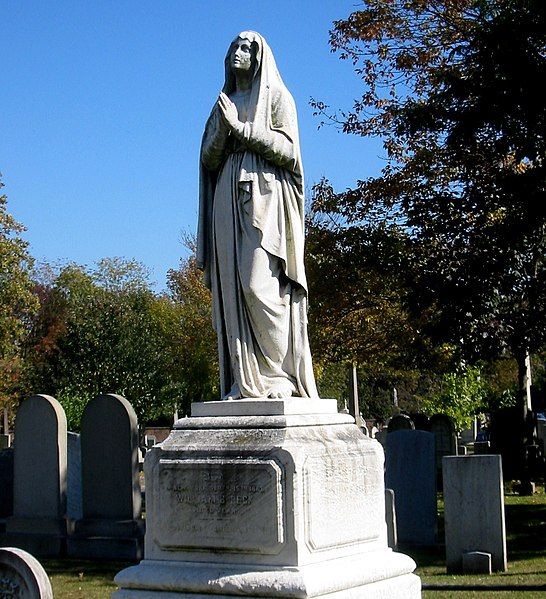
{"points": [[541, 434], [474, 509], [381, 436], [111, 526], [410, 471], [421, 421], [445, 441], [74, 477], [22, 576], [504, 441], [400, 422], [6, 486], [253, 503], [482, 448], [468, 435], [39, 524], [390, 517]]}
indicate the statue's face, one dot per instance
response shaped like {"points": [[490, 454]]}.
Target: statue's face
{"points": [[241, 58]]}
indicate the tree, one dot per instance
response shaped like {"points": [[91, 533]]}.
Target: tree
{"points": [[194, 343], [451, 89], [105, 331], [17, 303]]}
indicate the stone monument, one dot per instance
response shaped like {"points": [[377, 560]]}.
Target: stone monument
{"points": [[111, 526], [39, 523], [22, 575], [270, 493]]}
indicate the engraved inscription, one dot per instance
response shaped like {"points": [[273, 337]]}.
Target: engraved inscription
{"points": [[231, 505], [344, 500]]}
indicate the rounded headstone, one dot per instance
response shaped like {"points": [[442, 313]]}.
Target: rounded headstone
{"points": [[421, 421], [400, 422], [22, 575], [40, 459]]}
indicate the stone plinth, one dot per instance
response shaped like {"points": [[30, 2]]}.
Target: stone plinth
{"points": [[280, 498]]}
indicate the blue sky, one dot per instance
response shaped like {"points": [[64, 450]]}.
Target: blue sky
{"points": [[103, 105]]}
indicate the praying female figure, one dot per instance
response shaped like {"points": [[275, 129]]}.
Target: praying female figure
{"points": [[251, 229]]}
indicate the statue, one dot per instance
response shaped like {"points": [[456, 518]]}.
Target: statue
{"points": [[251, 229]]}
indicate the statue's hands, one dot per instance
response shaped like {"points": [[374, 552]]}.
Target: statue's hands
{"points": [[228, 112]]}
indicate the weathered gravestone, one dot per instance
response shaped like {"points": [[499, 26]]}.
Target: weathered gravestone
{"points": [[39, 524], [74, 477], [410, 471], [474, 509], [6, 486], [400, 422], [111, 526], [445, 441], [22, 576]]}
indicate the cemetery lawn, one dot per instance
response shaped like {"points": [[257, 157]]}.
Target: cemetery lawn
{"points": [[525, 578], [526, 547], [82, 579]]}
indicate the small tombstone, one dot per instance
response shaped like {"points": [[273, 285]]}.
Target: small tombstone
{"points": [[22, 575], [38, 523], [74, 477], [474, 509], [400, 422], [482, 447], [111, 526], [6, 483], [410, 471], [445, 440]]}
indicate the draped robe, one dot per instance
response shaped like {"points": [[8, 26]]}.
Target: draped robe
{"points": [[251, 237]]}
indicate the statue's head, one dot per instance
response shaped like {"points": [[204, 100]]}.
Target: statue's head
{"points": [[244, 55]]}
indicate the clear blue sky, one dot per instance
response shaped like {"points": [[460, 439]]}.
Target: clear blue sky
{"points": [[103, 104]]}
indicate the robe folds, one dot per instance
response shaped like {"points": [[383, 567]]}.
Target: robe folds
{"points": [[251, 237]]}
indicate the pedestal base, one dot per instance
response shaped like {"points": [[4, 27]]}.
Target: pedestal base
{"points": [[107, 539], [41, 537], [280, 498]]}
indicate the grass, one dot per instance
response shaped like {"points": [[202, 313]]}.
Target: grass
{"points": [[526, 540], [526, 548]]}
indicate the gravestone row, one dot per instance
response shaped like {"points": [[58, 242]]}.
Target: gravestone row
{"points": [[72, 494]]}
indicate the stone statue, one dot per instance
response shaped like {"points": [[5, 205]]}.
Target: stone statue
{"points": [[251, 229]]}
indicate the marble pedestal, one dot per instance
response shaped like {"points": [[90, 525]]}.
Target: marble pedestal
{"points": [[267, 498]]}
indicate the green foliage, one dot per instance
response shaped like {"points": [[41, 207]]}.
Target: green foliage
{"points": [[464, 131], [461, 395], [17, 302], [105, 334], [194, 343], [450, 87]]}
